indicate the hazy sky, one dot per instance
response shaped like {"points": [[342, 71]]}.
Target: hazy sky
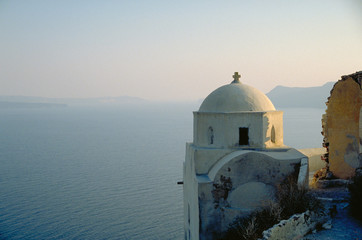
{"points": [[171, 49]]}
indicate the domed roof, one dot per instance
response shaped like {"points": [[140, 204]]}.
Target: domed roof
{"points": [[236, 97]]}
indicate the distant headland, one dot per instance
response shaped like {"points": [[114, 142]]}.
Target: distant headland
{"points": [[305, 97]]}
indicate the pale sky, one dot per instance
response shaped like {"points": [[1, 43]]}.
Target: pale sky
{"points": [[171, 49]]}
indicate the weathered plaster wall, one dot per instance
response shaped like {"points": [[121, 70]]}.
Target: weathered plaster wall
{"points": [[191, 203], [205, 158], [222, 184], [341, 126], [225, 129], [314, 155], [273, 129], [239, 183]]}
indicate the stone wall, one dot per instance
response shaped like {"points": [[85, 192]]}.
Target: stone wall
{"points": [[295, 227], [341, 126]]}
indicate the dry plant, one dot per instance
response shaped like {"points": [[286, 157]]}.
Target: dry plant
{"points": [[355, 191], [289, 200]]}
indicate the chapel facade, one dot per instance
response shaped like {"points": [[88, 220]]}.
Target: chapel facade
{"points": [[236, 159]]}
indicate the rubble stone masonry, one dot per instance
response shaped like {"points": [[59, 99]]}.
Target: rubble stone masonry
{"points": [[342, 126]]}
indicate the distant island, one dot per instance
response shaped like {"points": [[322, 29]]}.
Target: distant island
{"points": [[41, 102], [303, 97], [7, 105]]}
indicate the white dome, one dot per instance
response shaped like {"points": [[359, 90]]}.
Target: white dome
{"points": [[236, 97]]}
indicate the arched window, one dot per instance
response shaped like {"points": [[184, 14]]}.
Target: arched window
{"points": [[210, 135], [272, 135], [188, 213]]}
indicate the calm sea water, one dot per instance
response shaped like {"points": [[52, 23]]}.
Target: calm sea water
{"points": [[104, 173]]}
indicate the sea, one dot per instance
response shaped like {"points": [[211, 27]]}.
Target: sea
{"points": [[105, 172]]}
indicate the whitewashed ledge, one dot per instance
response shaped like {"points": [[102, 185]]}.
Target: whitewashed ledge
{"points": [[295, 227]]}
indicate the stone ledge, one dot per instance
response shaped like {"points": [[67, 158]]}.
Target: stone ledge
{"points": [[296, 226], [331, 183]]}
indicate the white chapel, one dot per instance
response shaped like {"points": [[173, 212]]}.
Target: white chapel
{"points": [[235, 160]]}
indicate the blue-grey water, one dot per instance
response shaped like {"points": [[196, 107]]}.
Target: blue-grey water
{"points": [[104, 173]]}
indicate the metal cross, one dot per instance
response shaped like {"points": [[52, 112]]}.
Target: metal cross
{"points": [[236, 77]]}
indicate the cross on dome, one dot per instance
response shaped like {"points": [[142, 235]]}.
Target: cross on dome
{"points": [[236, 77]]}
